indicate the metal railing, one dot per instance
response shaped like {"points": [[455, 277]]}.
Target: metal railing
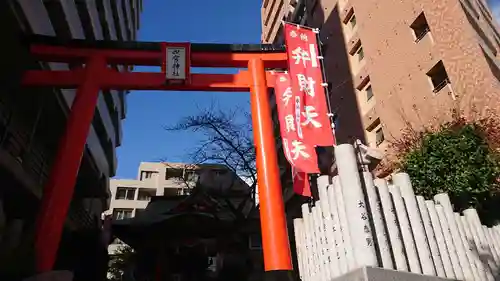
{"points": [[441, 85], [422, 34]]}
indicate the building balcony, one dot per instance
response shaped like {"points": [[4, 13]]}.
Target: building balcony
{"points": [[354, 43], [347, 12], [362, 78]]}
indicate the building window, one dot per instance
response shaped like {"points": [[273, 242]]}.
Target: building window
{"points": [[379, 136], [120, 214], [360, 53], [420, 27], [438, 77], [144, 194], [352, 21], [173, 174], [125, 193], [147, 174], [369, 93]]}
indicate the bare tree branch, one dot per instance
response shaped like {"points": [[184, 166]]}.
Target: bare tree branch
{"points": [[227, 140]]}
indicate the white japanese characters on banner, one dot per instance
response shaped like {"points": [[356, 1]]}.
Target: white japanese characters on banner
{"points": [[299, 154], [307, 85]]}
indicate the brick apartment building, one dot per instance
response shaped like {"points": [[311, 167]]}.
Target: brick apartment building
{"points": [[393, 63]]}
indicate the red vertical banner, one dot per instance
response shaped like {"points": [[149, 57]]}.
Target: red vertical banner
{"points": [[313, 122], [301, 183], [299, 154]]}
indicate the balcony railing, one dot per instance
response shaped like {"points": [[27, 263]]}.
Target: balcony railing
{"points": [[441, 85], [422, 34]]}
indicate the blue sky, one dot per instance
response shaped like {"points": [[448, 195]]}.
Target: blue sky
{"points": [[219, 21], [495, 8]]}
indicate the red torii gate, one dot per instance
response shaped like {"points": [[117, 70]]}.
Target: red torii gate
{"points": [[96, 75]]}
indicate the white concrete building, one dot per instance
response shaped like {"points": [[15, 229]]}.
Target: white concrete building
{"points": [[131, 196]]}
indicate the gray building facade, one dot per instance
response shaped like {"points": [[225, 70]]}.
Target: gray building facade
{"points": [[32, 120]]}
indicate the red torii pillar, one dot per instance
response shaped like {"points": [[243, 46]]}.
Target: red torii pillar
{"points": [[96, 75]]}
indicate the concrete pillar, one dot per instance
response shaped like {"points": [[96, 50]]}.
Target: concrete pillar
{"points": [[298, 230], [406, 233], [384, 252], [312, 268], [357, 214], [478, 274], [431, 237], [424, 253], [459, 274], [440, 240], [473, 238], [349, 250], [392, 225], [324, 204], [443, 200], [337, 227]]}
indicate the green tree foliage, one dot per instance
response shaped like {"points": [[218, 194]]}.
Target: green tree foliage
{"points": [[119, 261], [459, 158]]}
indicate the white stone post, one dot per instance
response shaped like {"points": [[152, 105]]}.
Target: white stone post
{"points": [[490, 235], [312, 265], [440, 240], [476, 272], [459, 274], [348, 240], [482, 268], [378, 222], [298, 230], [497, 229], [431, 237], [392, 225], [404, 226], [355, 206], [443, 200], [324, 271], [491, 244], [480, 239], [424, 253], [334, 196], [473, 238], [324, 204]]}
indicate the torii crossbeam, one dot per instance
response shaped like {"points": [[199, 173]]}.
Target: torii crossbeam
{"points": [[95, 75]]}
